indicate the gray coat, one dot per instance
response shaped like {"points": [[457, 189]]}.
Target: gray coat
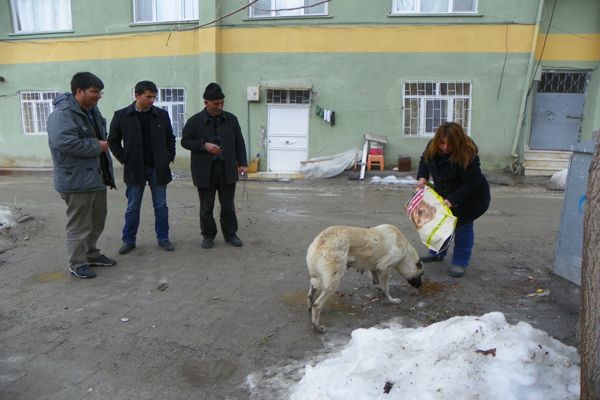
{"points": [[75, 148]]}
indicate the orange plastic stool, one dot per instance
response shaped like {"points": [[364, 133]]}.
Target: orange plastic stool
{"points": [[374, 159]]}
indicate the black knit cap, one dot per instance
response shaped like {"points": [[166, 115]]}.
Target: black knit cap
{"points": [[213, 92]]}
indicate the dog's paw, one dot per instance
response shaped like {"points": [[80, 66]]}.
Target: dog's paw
{"points": [[319, 328], [394, 300]]}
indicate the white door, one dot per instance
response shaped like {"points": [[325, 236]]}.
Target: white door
{"points": [[287, 140]]}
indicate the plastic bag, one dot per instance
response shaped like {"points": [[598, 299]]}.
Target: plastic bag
{"points": [[433, 220]]}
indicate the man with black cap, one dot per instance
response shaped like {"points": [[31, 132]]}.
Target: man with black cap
{"points": [[218, 157]]}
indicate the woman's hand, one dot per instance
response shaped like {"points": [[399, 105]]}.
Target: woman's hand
{"points": [[447, 203], [421, 183]]}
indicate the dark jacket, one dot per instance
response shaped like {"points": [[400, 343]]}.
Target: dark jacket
{"points": [[79, 164], [125, 141], [467, 189], [198, 130]]}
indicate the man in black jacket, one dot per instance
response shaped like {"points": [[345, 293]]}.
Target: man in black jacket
{"points": [[218, 156], [141, 138]]}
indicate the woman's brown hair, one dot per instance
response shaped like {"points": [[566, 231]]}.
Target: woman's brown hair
{"points": [[462, 148]]}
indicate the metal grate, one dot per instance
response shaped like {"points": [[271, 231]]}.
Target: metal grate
{"points": [[172, 100], [288, 96], [35, 109], [563, 82]]}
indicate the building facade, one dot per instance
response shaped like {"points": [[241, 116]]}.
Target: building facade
{"points": [[309, 78]]}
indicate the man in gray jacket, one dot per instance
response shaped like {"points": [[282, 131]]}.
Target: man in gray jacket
{"points": [[82, 170]]}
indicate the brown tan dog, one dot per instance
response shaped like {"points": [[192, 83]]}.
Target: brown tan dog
{"points": [[377, 250]]}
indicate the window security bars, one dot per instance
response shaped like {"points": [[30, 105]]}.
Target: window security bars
{"points": [[31, 16], [287, 8], [164, 10], [433, 6], [172, 100], [288, 96], [35, 109], [427, 104], [563, 82]]}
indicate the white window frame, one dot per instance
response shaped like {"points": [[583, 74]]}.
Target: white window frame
{"points": [[417, 9], [54, 23], [422, 100], [177, 119], [34, 123], [304, 12], [155, 11]]}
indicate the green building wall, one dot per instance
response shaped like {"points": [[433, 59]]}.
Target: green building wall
{"points": [[363, 85]]}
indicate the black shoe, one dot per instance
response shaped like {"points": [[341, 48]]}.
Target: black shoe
{"points": [[435, 258], [166, 244], [234, 241], [126, 248], [102, 261], [83, 271], [207, 243]]}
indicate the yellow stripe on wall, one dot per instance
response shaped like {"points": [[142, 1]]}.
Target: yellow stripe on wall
{"points": [[308, 39], [380, 39], [567, 47], [161, 44]]}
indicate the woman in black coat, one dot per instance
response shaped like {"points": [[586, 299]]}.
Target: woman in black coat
{"points": [[451, 160]]}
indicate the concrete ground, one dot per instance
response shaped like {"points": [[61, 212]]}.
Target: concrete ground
{"points": [[194, 323]]}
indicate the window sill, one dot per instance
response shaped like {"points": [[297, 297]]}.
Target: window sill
{"points": [[287, 17], [16, 34], [436, 15], [150, 23]]}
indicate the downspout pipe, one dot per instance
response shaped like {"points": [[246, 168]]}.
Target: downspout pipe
{"points": [[519, 127]]}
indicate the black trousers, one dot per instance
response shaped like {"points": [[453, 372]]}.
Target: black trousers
{"points": [[226, 191]]}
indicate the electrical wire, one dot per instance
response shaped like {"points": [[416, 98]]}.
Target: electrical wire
{"points": [[504, 64]]}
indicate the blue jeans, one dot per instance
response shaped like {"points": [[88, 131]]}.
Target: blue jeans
{"points": [[464, 238], [134, 195]]}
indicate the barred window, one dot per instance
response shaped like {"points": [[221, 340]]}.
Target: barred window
{"points": [[288, 96], [563, 82], [433, 6], [35, 109], [172, 100], [287, 8], [427, 104]]}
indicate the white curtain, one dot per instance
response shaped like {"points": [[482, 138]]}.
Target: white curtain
{"points": [[143, 11], [440, 6], [280, 4], [165, 10], [176, 10], [42, 15], [463, 5], [406, 6]]}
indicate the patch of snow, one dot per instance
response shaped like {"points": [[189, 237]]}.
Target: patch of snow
{"points": [[6, 217], [460, 358], [393, 180]]}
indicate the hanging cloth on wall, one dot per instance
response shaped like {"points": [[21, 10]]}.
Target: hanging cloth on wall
{"points": [[327, 115]]}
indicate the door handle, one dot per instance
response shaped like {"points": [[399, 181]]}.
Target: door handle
{"points": [[575, 117], [288, 142]]}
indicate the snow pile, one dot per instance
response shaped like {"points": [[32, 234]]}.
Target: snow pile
{"points": [[6, 218], [460, 358], [558, 181], [393, 180]]}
